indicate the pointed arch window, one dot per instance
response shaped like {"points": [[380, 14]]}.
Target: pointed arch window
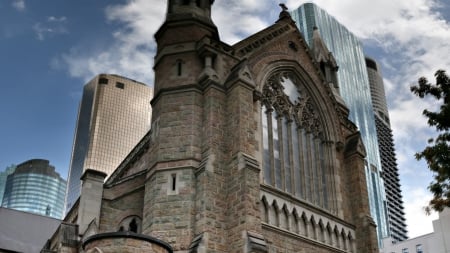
{"points": [[131, 223], [294, 153]]}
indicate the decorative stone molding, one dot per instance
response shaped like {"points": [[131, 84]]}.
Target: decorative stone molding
{"points": [[240, 74], [246, 161], [196, 244], [91, 229], [355, 145], [296, 219], [256, 243], [94, 175], [124, 242], [251, 45]]}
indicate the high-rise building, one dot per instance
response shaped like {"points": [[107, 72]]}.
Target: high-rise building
{"points": [[355, 90], [114, 114], [3, 177], [396, 215], [35, 187], [250, 150]]}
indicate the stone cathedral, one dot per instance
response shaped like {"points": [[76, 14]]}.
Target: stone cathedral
{"points": [[250, 150]]}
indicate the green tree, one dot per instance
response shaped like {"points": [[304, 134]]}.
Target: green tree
{"points": [[437, 153]]}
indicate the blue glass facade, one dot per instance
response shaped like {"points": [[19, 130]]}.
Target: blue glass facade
{"points": [[355, 90], [35, 187], [3, 177]]}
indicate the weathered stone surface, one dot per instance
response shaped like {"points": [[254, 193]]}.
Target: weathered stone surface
{"points": [[196, 180], [124, 242]]}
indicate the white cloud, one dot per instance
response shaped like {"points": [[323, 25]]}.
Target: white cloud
{"points": [[247, 17], [131, 53], [56, 19], [419, 222], [52, 26], [19, 5]]}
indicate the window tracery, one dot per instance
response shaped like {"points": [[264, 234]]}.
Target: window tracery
{"points": [[293, 142]]}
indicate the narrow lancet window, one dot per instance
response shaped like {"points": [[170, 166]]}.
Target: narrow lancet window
{"points": [[179, 68], [276, 150], [266, 150], [174, 182]]}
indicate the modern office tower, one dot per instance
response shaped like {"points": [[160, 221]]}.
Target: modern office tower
{"points": [[3, 177], [35, 187], [396, 215], [355, 90], [114, 114]]}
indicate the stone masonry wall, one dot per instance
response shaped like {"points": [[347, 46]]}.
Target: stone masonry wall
{"points": [[356, 187], [278, 241], [168, 214], [179, 116], [243, 179], [166, 70], [123, 245], [211, 182], [122, 206]]}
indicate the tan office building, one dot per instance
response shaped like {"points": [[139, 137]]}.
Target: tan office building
{"points": [[114, 115]]}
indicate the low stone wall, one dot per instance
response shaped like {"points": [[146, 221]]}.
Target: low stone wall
{"points": [[124, 242]]}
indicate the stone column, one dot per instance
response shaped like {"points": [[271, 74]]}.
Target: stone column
{"points": [[90, 199], [357, 189]]}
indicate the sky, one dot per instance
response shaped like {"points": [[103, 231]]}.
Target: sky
{"points": [[50, 48]]}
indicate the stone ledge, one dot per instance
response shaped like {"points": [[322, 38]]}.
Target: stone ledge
{"points": [[127, 235]]}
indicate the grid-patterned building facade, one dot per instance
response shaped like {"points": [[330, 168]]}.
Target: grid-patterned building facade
{"points": [[355, 90], [35, 187], [396, 214], [114, 114], [3, 176]]}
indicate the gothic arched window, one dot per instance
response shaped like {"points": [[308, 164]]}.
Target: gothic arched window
{"points": [[294, 150], [131, 223]]}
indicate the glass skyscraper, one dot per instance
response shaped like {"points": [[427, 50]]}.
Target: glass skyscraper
{"points": [[114, 114], [355, 90], [3, 177], [396, 215], [35, 187]]}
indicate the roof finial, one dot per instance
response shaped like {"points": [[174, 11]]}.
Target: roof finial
{"points": [[284, 13], [283, 7]]}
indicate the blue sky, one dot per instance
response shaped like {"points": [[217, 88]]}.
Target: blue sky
{"points": [[50, 48], [39, 98]]}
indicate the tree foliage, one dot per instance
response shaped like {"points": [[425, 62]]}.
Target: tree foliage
{"points": [[437, 153]]}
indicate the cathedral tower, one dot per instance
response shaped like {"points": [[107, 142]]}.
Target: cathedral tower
{"points": [[185, 189], [250, 149]]}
